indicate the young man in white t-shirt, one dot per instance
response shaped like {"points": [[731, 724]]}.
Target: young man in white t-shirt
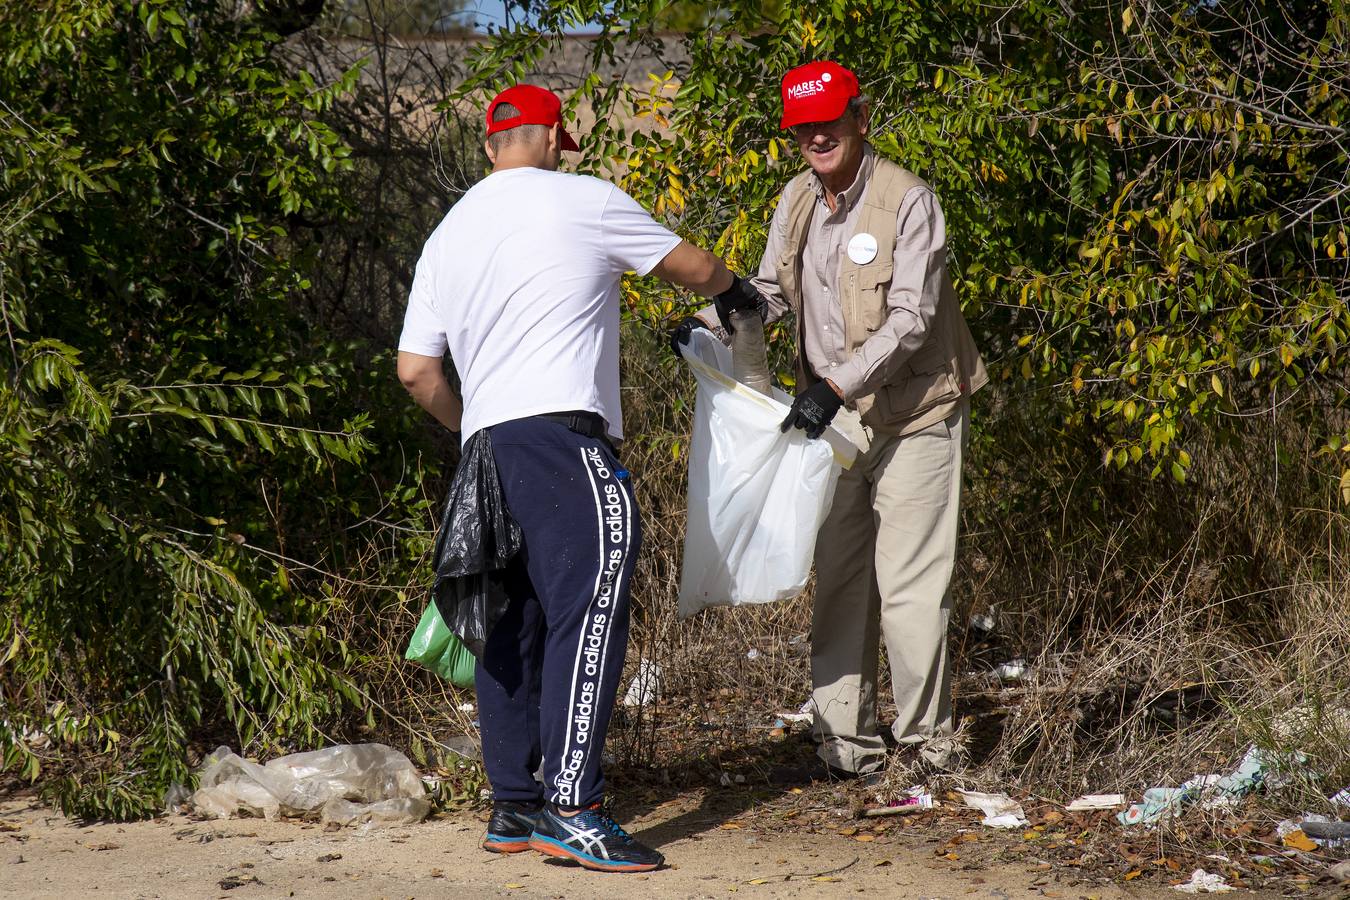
{"points": [[520, 282]]}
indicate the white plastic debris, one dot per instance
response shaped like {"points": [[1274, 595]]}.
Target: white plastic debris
{"points": [[1013, 670], [804, 713], [1210, 791], [986, 621], [1096, 801], [753, 653], [1340, 798], [1000, 810], [646, 684], [467, 706], [725, 780], [399, 811], [1203, 882], [304, 784]]}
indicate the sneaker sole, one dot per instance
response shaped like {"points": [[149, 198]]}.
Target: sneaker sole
{"points": [[553, 848], [495, 844]]}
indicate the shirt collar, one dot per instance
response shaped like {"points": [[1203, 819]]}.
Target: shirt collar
{"points": [[850, 196]]}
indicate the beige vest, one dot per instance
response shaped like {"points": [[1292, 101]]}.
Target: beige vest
{"points": [[943, 368]]}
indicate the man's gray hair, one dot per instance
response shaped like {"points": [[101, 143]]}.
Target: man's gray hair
{"points": [[857, 104], [519, 135]]}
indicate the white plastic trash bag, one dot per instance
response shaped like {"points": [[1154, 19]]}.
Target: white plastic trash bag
{"points": [[757, 496]]}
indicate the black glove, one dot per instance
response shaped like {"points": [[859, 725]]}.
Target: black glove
{"points": [[813, 410], [740, 296], [679, 336]]}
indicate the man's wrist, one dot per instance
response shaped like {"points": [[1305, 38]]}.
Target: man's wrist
{"points": [[834, 387]]}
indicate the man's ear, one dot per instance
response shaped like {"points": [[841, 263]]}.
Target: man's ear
{"points": [[865, 118], [491, 154], [555, 137]]}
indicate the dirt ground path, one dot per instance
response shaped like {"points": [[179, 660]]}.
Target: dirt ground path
{"points": [[43, 854]]}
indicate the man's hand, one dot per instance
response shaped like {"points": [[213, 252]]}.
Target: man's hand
{"points": [[679, 336], [814, 409], [740, 296]]}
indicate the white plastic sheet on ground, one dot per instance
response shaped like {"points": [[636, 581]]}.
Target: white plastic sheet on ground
{"points": [[348, 783], [757, 496]]}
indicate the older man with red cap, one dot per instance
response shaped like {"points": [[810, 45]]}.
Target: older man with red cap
{"points": [[857, 251], [520, 283]]}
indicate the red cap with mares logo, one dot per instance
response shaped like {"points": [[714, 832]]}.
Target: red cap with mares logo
{"points": [[817, 92], [538, 106]]}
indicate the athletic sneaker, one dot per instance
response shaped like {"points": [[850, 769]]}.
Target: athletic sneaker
{"points": [[592, 839], [510, 827]]}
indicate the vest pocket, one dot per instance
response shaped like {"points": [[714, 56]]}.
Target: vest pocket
{"points": [[873, 284], [874, 276], [927, 360], [930, 382]]}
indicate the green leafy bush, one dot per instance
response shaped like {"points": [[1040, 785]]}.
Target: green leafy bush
{"points": [[177, 447]]}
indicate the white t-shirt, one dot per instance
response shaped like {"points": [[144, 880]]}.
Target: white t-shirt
{"points": [[520, 282]]}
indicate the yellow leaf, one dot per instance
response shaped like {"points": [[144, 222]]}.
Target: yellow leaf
{"points": [[758, 881], [730, 826], [1131, 876], [937, 79], [1026, 367], [1345, 487], [513, 885], [1300, 841], [826, 878], [865, 838], [1286, 354], [1216, 384], [1126, 18]]}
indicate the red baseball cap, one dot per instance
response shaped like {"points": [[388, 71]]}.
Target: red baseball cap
{"points": [[817, 92], [538, 106]]}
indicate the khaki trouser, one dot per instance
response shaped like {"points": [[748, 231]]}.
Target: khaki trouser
{"points": [[884, 560]]}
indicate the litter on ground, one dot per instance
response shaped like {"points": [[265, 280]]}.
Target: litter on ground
{"points": [[1203, 882], [1000, 810], [344, 784]]}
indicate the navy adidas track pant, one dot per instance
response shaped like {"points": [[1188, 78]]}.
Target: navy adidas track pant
{"points": [[551, 667]]}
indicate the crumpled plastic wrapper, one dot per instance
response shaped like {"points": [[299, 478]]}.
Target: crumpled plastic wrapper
{"points": [[345, 784]]}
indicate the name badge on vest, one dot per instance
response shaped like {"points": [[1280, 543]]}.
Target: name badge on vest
{"points": [[862, 249]]}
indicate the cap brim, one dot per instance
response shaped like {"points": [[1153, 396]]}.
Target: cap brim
{"points": [[825, 110], [567, 142]]}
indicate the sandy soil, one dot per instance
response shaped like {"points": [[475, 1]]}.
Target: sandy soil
{"points": [[43, 854]]}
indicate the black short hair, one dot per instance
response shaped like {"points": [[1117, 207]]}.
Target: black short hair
{"points": [[519, 134]]}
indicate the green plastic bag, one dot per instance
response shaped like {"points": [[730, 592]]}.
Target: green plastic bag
{"points": [[440, 650]]}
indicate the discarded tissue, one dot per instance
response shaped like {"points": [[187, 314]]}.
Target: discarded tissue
{"points": [[1203, 882], [1000, 810], [345, 784]]}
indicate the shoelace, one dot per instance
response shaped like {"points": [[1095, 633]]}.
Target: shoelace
{"points": [[608, 821]]}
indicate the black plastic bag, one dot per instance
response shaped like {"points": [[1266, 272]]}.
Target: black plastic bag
{"points": [[478, 538]]}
